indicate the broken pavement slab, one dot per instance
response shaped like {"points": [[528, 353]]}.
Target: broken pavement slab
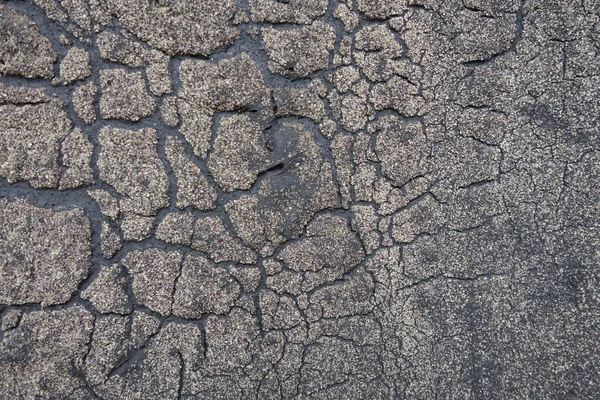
{"points": [[129, 162], [124, 95], [232, 84], [75, 66], [31, 136], [287, 198], [44, 347], [299, 51], [206, 25], [24, 50], [30, 272]]}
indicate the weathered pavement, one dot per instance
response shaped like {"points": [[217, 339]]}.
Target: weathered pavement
{"points": [[299, 199]]}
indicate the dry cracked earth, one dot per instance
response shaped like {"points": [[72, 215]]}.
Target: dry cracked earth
{"points": [[299, 199]]}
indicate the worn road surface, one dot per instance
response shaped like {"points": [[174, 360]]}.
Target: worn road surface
{"points": [[299, 199]]}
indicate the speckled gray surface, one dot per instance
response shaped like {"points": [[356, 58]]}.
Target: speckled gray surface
{"points": [[299, 199]]}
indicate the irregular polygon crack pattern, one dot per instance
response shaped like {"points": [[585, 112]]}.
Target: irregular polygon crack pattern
{"points": [[47, 349], [286, 199], [233, 84], [299, 199]]}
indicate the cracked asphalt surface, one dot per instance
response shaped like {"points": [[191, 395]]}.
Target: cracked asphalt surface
{"points": [[299, 199]]}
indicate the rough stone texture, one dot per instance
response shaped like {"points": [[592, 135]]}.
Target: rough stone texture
{"points": [[30, 137], [160, 355], [382, 9], [293, 11], [168, 111], [280, 207], [129, 162], [240, 152], [74, 16], [176, 228], [76, 152], [202, 288], [24, 50], [30, 271], [159, 77], [107, 292], [124, 95], [365, 221], [45, 349], [403, 150], [11, 319], [110, 239], [299, 199], [327, 253], [83, 102], [193, 188], [75, 66], [154, 273], [301, 102], [299, 51], [108, 204], [130, 52], [205, 25], [121, 49], [377, 49], [233, 84], [348, 18], [136, 227], [22, 95], [210, 236]]}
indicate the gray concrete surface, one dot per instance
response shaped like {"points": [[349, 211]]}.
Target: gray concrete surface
{"points": [[299, 199]]}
